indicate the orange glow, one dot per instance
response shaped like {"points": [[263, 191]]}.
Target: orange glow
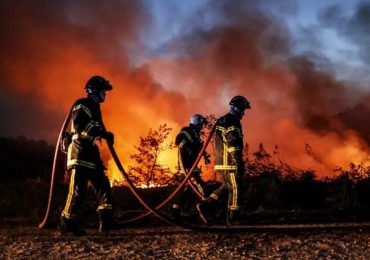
{"points": [[53, 59], [137, 103]]}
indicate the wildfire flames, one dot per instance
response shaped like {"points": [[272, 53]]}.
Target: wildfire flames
{"points": [[49, 50]]}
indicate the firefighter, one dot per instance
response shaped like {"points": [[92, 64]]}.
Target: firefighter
{"points": [[83, 158], [228, 161], [189, 145]]}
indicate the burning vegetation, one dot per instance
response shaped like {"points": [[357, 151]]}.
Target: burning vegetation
{"points": [[274, 191], [317, 120], [149, 171]]}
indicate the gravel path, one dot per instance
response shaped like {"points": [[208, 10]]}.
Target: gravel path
{"points": [[166, 242]]}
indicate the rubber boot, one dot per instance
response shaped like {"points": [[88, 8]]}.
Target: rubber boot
{"points": [[106, 220], [175, 212], [69, 226], [234, 217]]}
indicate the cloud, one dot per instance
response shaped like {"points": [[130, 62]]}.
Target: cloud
{"points": [[248, 51], [227, 48], [354, 27]]}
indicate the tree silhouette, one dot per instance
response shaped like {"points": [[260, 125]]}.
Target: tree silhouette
{"points": [[148, 171]]}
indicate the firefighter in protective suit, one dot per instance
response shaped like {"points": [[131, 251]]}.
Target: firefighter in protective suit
{"points": [[228, 161], [83, 158], [189, 145]]}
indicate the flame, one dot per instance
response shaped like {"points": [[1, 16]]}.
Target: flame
{"points": [[333, 150], [48, 58]]}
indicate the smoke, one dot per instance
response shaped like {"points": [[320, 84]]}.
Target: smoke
{"points": [[354, 28], [226, 48], [18, 114], [318, 95], [49, 50], [295, 99]]}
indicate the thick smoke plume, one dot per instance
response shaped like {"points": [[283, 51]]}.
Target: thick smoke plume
{"points": [[295, 100], [49, 50]]}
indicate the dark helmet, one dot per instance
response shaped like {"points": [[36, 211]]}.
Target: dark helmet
{"points": [[240, 102], [97, 83]]}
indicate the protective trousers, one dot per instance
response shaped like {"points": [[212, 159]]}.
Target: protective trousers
{"points": [[78, 187], [187, 193], [231, 184]]}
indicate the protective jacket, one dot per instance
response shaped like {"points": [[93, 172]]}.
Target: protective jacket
{"points": [[190, 144], [229, 144], [87, 125]]}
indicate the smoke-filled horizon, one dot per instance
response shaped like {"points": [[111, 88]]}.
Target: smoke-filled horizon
{"points": [[222, 49]]}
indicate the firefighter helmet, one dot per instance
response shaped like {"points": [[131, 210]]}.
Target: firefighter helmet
{"points": [[96, 84], [198, 120], [240, 102]]}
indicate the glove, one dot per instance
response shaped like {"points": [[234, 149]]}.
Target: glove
{"points": [[206, 158], [109, 136], [66, 141], [196, 172]]}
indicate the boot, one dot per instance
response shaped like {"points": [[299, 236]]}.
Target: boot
{"points": [[70, 226], [204, 210], [175, 212], [106, 220], [234, 217]]}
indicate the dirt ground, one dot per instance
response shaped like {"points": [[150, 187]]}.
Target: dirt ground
{"points": [[174, 243]]}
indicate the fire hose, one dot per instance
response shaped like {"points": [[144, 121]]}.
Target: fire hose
{"points": [[191, 184], [52, 180], [228, 229], [120, 167], [150, 209], [179, 187], [154, 211]]}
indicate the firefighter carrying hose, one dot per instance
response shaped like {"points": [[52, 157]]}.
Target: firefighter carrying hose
{"points": [[228, 161], [189, 145], [83, 158]]}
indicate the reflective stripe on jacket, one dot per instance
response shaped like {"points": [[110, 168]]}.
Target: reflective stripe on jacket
{"points": [[189, 145], [87, 125], [228, 140]]}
